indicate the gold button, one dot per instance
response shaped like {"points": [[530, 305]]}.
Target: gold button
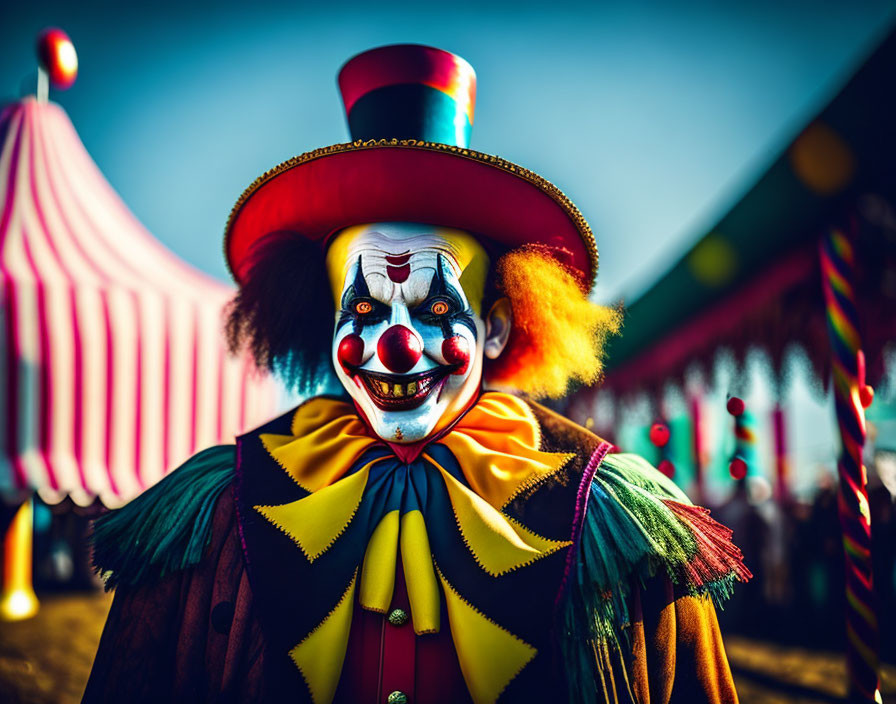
{"points": [[398, 617], [397, 697]]}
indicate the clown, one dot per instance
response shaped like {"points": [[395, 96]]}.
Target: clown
{"points": [[409, 343], [428, 535]]}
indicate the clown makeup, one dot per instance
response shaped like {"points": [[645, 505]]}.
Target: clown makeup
{"points": [[409, 336]]}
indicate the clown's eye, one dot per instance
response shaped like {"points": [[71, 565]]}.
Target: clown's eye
{"points": [[361, 312], [440, 308]]}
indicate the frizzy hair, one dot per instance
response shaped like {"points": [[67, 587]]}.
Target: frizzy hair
{"points": [[557, 336], [283, 312], [284, 315]]}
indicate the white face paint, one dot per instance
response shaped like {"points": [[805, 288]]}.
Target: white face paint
{"points": [[407, 345]]}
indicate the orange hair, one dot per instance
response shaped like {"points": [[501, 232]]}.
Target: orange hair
{"points": [[557, 336]]}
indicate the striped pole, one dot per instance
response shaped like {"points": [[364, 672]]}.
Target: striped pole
{"points": [[782, 491], [837, 258], [698, 445]]}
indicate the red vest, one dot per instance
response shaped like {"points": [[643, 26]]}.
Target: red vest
{"points": [[384, 656]]}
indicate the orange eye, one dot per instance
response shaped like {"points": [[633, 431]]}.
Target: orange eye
{"points": [[363, 307], [439, 308]]}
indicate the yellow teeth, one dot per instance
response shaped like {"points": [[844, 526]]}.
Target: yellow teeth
{"points": [[392, 390]]}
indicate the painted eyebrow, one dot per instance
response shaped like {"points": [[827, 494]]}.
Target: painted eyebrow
{"points": [[440, 288], [439, 284], [358, 287]]}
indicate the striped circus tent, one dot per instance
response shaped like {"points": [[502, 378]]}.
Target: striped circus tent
{"points": [[113, 368]]}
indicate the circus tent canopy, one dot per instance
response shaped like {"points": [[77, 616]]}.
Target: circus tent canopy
{"points": [[112, 362], [753, 280]]}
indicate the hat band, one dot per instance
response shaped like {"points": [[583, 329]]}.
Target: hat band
{"points": [[410, 111]]}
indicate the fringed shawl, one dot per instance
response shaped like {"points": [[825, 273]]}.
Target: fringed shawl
{"points": [[638, 525], [167, 527]]}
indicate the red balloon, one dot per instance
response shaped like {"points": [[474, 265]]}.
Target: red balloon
{"points": [[866, 395], [350, 351], [738, 468], [659, 434], [399, 349], [456, 350], [736, 406], [667, 468], [57, 57]]}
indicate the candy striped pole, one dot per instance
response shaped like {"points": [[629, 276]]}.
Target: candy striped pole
{"points": [[782, 469], [851, 396], [696, 407]]}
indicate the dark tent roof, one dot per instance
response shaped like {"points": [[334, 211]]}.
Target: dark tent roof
{"points": [[752, 279]]}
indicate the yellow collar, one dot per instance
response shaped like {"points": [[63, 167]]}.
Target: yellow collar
{"points": [[496, 443]]}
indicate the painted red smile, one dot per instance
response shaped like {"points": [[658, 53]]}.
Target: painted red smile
{"points": [[402, 392]]}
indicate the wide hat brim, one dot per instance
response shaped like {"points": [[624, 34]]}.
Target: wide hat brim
{"points": [[321, 192]]}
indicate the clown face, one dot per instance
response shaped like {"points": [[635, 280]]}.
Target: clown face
{"points": [[409, 336]]}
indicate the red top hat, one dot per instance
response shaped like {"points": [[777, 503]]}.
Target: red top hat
{"points": [[410, 112]]}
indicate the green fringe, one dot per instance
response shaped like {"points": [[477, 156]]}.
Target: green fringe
{"points": [[167, 527], [720, 590], [636, 471], [629, 532]]}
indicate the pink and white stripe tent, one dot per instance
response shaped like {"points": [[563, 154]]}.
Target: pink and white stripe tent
{"points": [[113, 368]]}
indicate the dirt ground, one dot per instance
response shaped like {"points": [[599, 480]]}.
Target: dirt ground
{"points": [[47, 659], [771, 674]]}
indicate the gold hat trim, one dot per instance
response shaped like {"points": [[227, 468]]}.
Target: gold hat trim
{"points": [[543, 184]]}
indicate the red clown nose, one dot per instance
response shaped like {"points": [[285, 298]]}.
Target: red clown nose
{"points": [[399, 349]]}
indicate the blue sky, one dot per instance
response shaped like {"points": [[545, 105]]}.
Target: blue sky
{"points": [[653, 117]]}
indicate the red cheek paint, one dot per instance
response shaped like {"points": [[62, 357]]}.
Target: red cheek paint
{"points": [[350, 351], [399, 349], [456, 350]]}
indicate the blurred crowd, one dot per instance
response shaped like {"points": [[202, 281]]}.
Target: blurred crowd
{"points": [[795, 551]]}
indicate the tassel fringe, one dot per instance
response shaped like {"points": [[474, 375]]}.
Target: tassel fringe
{"points": [[167, 527], [638, 523], [716, 559]]}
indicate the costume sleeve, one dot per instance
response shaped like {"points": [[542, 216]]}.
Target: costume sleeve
{"points": [[658, 643], [182, 625], [677, 654], [135, 659]]}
